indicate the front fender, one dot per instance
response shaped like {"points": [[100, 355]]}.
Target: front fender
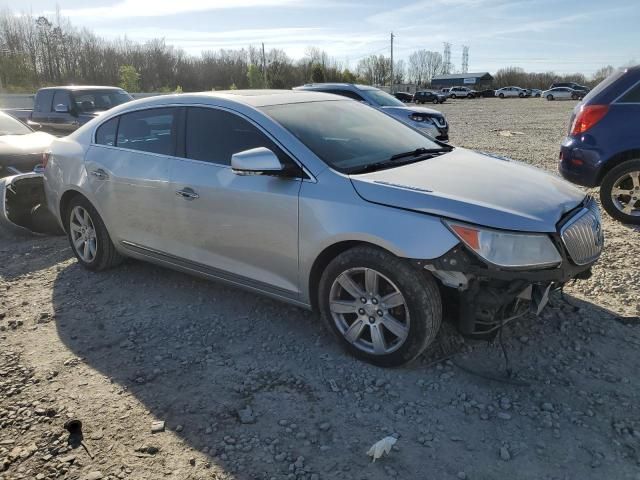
{"points": [[344, 216]]}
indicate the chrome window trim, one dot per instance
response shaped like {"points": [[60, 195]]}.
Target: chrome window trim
{"points": [[311, 178], [616, 100]]}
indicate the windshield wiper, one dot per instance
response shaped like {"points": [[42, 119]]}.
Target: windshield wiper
{"points": [[415, 156], [418, 152]]}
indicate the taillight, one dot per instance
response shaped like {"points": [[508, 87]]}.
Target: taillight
{"points": [[45, 159], [587, 117]]}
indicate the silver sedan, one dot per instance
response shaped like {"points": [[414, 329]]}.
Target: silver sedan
{"points": [[325, 203]]}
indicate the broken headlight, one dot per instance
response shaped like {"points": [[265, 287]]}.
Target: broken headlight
{"points": [[508, 249]]}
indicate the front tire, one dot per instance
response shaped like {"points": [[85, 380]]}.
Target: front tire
{"points": [[436, 101], [382, 309], [88, 236], [501, 95], [620, 192], [453, 95], [550, 97]]}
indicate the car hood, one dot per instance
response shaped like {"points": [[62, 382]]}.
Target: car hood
{"points": [[30, 143], [476, 188], [397, 111]]}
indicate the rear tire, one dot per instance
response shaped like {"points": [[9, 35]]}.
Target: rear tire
{"points": [[521, 95], [397, 320], [501, 95], [623, 178], [550, 97], [435, 101], [88, 236], [453, 95]]}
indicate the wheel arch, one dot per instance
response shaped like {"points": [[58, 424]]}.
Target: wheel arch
{"points": [[65, 200], [617, 159], [324, 258]]}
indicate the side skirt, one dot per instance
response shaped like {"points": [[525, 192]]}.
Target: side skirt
{"points": [[193, 268]]}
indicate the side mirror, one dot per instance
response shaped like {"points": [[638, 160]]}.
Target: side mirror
{"points": [[257, 161], [61, 108]]}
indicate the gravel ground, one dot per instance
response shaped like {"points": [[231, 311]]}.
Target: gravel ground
{"points": [[243, 387]]}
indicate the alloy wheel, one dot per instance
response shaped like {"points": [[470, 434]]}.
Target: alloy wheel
{"points": [[83, 234], [369, 310], [625, 193]]}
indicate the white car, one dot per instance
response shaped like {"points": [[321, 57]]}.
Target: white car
{"points": [[461, 92], [561, 93], [505, 92]]}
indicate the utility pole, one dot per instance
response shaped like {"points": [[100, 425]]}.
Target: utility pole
{"points": [[264, 68], [391, 86], [3, 51]]}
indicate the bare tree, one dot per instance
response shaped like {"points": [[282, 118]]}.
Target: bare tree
{"points": [[423, 66]]}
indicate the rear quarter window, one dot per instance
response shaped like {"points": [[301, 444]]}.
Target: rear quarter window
{"points": [[106, 133]]}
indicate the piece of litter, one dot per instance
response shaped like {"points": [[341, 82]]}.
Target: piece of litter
{"points": [[157, 427], [333, 385], [381, 447]]}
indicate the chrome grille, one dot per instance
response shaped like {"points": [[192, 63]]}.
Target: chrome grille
{"points": [[583, 236], [439, 121]]}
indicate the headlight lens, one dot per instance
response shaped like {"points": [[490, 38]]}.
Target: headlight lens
{"points": [[417, 118], [508, 249]]}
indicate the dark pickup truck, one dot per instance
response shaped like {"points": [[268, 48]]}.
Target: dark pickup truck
{"points": [[61, 110]]}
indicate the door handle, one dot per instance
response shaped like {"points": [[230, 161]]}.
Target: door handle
{"points": [[100, 173], [187, 193]]}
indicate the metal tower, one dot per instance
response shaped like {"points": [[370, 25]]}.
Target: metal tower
{"points": [[465, 59], [446, 57]]}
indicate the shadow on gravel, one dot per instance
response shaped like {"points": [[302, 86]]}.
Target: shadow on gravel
{"points": [[23, 254], [254, 384]]}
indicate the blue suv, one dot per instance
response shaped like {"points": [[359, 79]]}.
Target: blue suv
{"points": [[603, 145]]}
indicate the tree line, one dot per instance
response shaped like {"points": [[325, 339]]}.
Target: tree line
{"points": [[42, 51]]}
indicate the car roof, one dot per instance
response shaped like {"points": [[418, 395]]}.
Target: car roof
{"points": [[81, 87], [336, 86], [251, 98]]}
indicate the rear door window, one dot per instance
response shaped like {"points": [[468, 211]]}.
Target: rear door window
{"points": [[153, 130]]}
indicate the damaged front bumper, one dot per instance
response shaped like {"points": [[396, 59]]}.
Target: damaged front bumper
{"points": [[23, 205], [485, 297]]}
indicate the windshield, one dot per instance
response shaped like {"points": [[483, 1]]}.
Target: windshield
{"points": [[88, 101], [348, 135], [11, 126], [381, 99]]}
